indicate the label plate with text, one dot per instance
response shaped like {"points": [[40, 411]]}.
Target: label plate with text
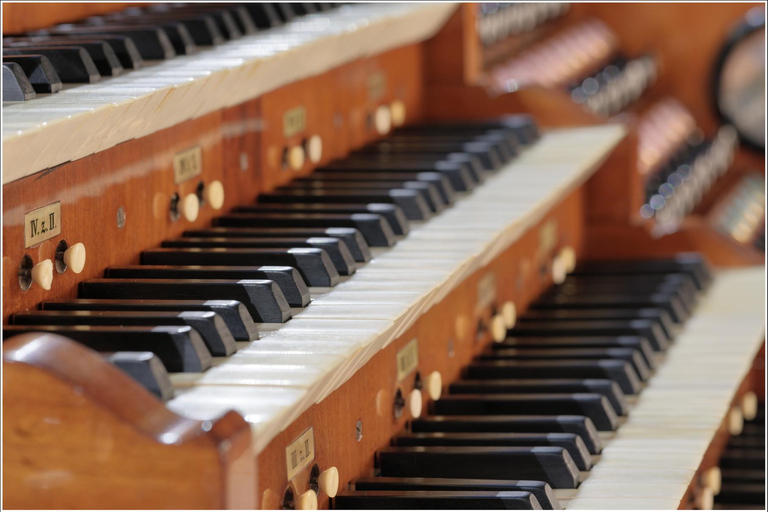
{"points": [[188, 164], [300, 453], [42, 224], [407, 359]]}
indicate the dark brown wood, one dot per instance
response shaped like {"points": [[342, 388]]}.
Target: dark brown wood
{"points": [[23, 16]]}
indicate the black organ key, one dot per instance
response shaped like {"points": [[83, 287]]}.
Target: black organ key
{"points": [[524, 126], [743, 475], [579, 425], [541, 490], [438, 500], [677, 299], [393, 214], [336, 249], [689, 263], [497, 140], [629, 355], [743, 458], [151, 42], [209, 325], [264, 15], [471, 163], [440, 181], [575, 342], [233, 312], [146, 369], [73, 64], [243, 19], [101, 52], [647, 329], [411, 201], [565, 315], [616, 370], [608, 388], [429, 192], [594, 406], [458, 173], [287, 279], [39, 71], [285, 11], [485, 152], [375, 228], [546, 463], [225, 19], [352, 237], [570, 442], [180, 348], [201, 27], [16, 85], [123, 47], [262, 298], [314, 265]]}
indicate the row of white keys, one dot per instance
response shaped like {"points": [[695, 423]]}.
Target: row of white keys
{"points": [[651, 460], [343, 327]]}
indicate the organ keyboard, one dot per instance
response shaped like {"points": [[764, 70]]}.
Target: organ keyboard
{"points": [[312, 282]]}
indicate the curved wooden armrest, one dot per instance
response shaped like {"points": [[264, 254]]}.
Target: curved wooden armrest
{"points": [[79, 433]]}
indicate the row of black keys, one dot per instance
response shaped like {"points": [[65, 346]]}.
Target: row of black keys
{"points": [[255, 267], [526, 416], [106, 45], [743, 468]]}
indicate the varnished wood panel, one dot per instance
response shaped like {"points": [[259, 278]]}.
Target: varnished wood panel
{"points": [[23, 16]]}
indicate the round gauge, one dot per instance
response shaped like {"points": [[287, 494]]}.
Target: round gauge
{"points": [[740, 79]]}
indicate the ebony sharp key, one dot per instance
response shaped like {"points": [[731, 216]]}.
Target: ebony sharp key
{"points": [[575, 342], [593, 406], [208, 324], [39, 71], [352, 237], [488, 155], [374, 228], [336, 249], [151, 42], [263, 299], [608, 388], [524, 126], [457, 173], [647, 329], [287, 279], [435, 500], [579, 425], [122, 46], [471, 163], [233, 312], [201, 27], [263, 15], [570, 442], [497, 140], [689, 263], [180, 348], [314, 265], [663, 301], [549, 464], [146, 369], [564, 315], [629, 355], [391, 212], [541, 490], [440, 181], [617, 370], [588, 290], [411, 201], [429, 192], [16, 85], [73, 64], [101, 52]]}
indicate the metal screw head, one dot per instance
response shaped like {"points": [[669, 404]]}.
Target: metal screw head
{"points": [[120, 217], [399, 404], [359, 431]]}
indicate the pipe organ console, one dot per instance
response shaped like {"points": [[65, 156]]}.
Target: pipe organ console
{"points": [[374, 256]]}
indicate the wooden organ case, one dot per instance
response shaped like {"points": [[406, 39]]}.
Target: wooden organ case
{"points": [[595, 104]]}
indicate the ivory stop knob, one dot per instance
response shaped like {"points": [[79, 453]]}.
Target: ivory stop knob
{"points": [[713, 478], [705, 499], [415, 403], [498, 328], [397, 111], [382, 120], [214, 194], [433, 383], [735, 421], [74, 257], [749, 405], [558, 270], [296, 158], [306, 501], [315, 148], [42, 274], [568, 255], [509, 314], [190, 207], [328, 481]]}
